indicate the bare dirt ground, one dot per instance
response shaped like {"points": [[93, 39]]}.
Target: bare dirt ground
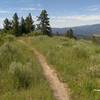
{"points": [[60, 91]]}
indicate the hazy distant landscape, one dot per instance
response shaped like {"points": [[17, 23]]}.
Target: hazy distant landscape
{"points": [[81, 31]]}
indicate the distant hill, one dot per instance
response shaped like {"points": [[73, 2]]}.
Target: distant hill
{"points": [[80, 31]]}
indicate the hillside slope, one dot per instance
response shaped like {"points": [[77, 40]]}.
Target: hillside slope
{"points": [[61, 93], [77, 64], [21, 76]]}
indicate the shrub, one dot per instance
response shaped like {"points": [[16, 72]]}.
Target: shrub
{"points": [[22, 75], [95, 71], [80, 52], [1, 40], [9, 38], [96, 39], [6, 38], [8, 53], [35, 34]]}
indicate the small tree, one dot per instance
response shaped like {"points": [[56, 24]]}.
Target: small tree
{"points": [[7, 24], [44, 25], [16, 25], [70, 33]]}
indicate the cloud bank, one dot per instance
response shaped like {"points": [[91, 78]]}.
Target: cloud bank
{"points": [[70, 21]]}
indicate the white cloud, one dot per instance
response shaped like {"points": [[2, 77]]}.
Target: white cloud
{"points": [[69, 21], [4, 11], [77, 17], [31, 9], [93, 8]]}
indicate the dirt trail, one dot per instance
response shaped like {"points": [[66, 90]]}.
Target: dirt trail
{"points": [[60, 91]]}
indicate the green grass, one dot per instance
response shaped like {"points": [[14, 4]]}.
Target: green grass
{"points": [[77, 63], [21, 76]]}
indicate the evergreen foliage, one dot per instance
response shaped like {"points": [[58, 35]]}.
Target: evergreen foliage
{"points": [[44, 25], [22, 26], [70, 33], [19, 27], [7, 24], [15, 25]]}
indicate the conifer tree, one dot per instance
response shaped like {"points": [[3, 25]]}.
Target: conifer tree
{"points": [[7, 24], [29, 24], [44, 25], [32, 26], [69, 33], [16, 25], [22, 26]]}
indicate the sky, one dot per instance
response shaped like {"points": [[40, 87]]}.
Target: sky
{"points": [[62, 13]]}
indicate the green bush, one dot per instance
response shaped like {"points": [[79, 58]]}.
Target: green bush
{"points": [[1, 39], [96, 39], [95, 71], [80, 52], [22, 75], [8, 53], [35, 34], [6, 38], [9, 38]]}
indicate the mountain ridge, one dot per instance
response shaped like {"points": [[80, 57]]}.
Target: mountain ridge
{"points": [[84, 30]]}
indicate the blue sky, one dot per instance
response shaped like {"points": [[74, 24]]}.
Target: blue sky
{"points": [[62, 13]]}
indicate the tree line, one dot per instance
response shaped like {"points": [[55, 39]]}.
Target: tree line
{"points": [[26, 26], [19, 27]]}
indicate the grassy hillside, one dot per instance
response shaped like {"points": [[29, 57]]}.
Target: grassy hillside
{"points": [[21, 75], [77, 63]]}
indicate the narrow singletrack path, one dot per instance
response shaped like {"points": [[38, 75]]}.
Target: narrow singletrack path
{"points": [[60, 91]]}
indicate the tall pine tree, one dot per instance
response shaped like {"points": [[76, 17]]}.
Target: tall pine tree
{"points": [[22, 26], [32, 26], [29, 24], [7, 24], [44, 25], [16, 25]]}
